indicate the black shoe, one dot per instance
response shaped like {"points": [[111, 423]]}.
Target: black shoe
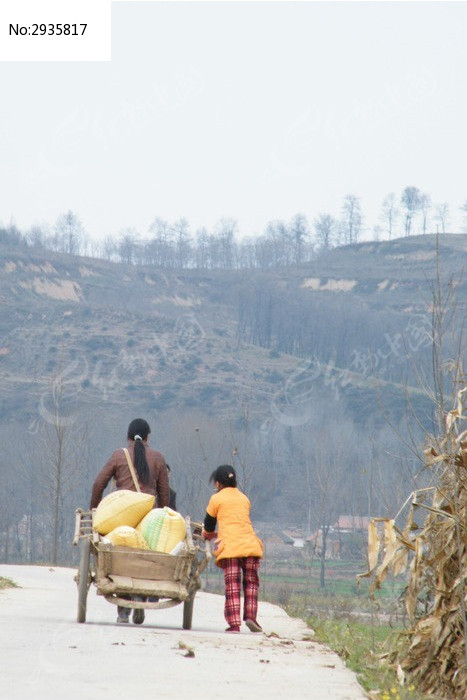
{"points": [[138, 616]]}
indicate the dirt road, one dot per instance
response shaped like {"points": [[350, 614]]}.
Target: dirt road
{"points": [[46, 654]]}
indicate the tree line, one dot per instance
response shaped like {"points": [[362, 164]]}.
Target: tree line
{"points": [[46, 475], [282, 244]]}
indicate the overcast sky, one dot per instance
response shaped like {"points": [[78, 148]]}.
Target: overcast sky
{"points": [[249, 110]]}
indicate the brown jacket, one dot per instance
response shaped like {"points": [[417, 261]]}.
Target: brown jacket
{"points": [[117, 467]]}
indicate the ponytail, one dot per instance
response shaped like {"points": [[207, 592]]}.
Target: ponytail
{"points": [[225, 475], [140, 460], [138, 430]]}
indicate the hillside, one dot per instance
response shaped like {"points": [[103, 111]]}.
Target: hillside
{"points": [[255, 359], [195, 338]]}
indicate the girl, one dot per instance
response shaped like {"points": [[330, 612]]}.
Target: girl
{"points": [[238, 549]]}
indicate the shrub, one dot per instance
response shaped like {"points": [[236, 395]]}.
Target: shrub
{"points": [[273, 376], [97, 342], [226, 366]]}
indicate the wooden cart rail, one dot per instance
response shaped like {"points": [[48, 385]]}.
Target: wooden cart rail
{"points": [[83, 526]]}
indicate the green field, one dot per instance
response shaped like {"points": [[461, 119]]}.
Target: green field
{"points": [[284, 581], [364, 648]]}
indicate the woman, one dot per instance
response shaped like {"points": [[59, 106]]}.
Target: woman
{"points": [[238, 549], [151, 471], [149, 464]]}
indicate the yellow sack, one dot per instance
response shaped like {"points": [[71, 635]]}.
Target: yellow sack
{"points": [[124, 536], [163, 529], [121, 508]]}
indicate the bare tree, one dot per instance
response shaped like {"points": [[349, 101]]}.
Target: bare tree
{"points": [[331, 483], [256, 252], [202, 248], [60, 445], [299, 231], [243, 445], [8, 505], [37, 236], [377, 232], [410, 199], [281, 239], [193, 446], [425, 206], [109, 248], [226, 230], [127, 245], [182, 242], [442, 215], [11, 235], [162, 243], [390, 213], [325, 230], [352, 219], [69, 232]]}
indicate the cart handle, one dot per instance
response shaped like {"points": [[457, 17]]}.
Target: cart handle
{"points": [[206, 559], [77, 525]]}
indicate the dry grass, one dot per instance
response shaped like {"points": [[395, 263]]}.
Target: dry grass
{"points": [[432, 653], [7, 583]]}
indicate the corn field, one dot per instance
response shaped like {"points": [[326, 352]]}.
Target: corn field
{"points": [[432, 652]]}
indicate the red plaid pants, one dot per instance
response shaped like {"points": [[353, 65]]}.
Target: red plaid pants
{"points": [[238, 572]]}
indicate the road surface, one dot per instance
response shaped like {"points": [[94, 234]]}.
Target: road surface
{"points": [[46, 654]]}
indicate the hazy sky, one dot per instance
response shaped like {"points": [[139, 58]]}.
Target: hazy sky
{"points": [[249, 110]]}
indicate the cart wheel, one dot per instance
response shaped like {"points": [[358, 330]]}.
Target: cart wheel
{"points": [[188, 613], [83, 579]]}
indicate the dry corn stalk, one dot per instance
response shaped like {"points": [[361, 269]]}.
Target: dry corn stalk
{"points": [[435, 658]]}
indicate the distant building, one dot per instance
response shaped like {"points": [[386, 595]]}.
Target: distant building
{"points": [[345, 539], [294, 537], [351, 523], [272, 538]]}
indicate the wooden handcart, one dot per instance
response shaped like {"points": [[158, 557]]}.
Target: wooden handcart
{"points": [[163, 580]]}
